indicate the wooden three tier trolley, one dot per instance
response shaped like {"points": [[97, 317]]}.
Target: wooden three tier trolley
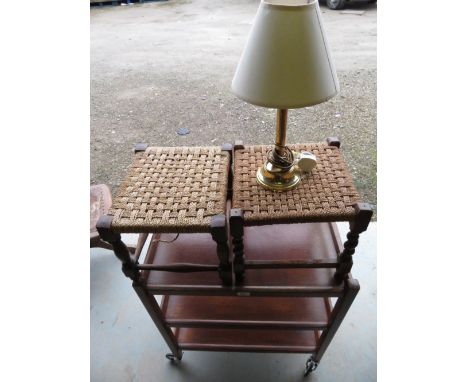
{"points": [[240, 268]]}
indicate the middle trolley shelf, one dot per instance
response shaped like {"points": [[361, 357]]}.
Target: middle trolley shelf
{"points": [[313, 247]]}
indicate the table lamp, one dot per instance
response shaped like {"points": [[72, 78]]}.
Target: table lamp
{"points": [[285, 64]]}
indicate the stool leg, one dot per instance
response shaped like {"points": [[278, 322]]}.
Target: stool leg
{"points": [[219, 234], [236, 222], [359, 225], [104, 228]]}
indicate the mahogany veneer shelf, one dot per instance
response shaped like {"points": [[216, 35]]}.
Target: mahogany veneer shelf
{"points": [[308, 242], [248, 340], [243, 312]]}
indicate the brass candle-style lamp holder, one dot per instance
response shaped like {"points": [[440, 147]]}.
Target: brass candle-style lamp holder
{"points": [[279, 172]]}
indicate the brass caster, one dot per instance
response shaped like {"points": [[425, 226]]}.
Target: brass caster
{"points": [[311, 365], [171, 357]]}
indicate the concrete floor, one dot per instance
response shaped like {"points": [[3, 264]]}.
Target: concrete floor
{"points": [[126, 346]]}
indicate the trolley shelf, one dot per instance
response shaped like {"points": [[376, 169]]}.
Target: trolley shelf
{"points": [[242, 312], [302, 242], [248, 340]]}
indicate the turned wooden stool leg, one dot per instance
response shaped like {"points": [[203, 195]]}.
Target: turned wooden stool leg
{"points": [[103, 226], [236, 222], [219, 234], [357, 226]]}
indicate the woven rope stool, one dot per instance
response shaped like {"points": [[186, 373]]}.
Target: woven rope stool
{"points": [[326, 194], [171, 190]]}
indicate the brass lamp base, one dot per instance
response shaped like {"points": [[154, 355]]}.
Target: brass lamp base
{"points": [[278, 179], [279, 172]]}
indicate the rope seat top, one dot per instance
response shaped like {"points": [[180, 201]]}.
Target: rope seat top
{"points": [[327, 193], [172, 189]]}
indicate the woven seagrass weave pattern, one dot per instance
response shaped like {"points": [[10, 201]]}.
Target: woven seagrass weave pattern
{"points": [[172, 189], [327, 193]]}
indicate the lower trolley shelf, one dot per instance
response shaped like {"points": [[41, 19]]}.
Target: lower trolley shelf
{"points": [[247, 340]]}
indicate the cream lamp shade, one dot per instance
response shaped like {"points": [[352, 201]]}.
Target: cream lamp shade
{"points": [[286, 62]]}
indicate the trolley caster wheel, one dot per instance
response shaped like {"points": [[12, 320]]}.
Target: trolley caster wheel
{"points": [[171, 357], [311, 365]]}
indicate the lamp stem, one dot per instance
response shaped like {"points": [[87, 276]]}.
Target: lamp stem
{"points": [[281, 123], [279, 173]]}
